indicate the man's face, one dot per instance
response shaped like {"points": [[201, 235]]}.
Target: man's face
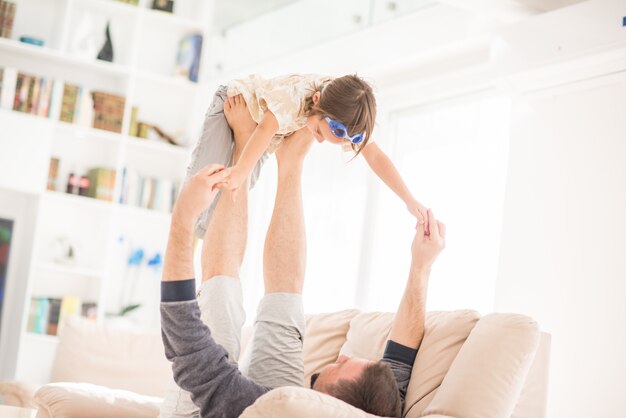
{"points": [[344, 368]]}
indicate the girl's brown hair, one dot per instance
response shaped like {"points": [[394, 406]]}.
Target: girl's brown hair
{"points": [[349, 100]]}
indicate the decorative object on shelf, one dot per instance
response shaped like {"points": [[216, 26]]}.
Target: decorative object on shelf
{"points": [[33, 95], [188, 57], [62, 250], [83, 186], [69, 104], [163, 5], [53, 174], [73, 184], [108, 111], [106, 53], [84, 41], [32, 40], [145, 130], [101, 183], [7, 16]]}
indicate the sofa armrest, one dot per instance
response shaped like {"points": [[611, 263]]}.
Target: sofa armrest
{"points": [[486, 377], [82, 400], [18, 394]]}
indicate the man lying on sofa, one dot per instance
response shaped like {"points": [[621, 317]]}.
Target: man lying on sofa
{"points": [[201, 334]]}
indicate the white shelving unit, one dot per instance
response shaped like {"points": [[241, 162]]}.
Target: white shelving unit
{"points": [[102, 233]]}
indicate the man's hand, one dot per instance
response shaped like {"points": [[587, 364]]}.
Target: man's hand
{"points": [[426, 248], [408, 325], [198, 193]]}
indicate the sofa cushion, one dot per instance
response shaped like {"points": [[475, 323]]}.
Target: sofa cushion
{"points": [[305, 403], [444, 335], [301, 403], [325, 335], [487, 375], [368, 335], [18, 394], [80, 400], [92, 353]]}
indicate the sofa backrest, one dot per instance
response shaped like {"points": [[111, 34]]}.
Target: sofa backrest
{"points": [[93, 353], [445, 334]]}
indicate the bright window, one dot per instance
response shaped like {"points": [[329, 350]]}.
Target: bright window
{"points": [[453, 155]]}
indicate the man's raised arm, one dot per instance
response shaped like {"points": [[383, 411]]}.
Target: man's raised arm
{"points": [[199, 364], [407, 329]]}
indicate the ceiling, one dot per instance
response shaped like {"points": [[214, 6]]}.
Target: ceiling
{"points": [[233, 12]]}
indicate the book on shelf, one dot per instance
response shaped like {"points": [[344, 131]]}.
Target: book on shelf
{"points": [[148, 192], [8, 79], [38, 315], [7, 17], [133, 129], [53, 174], [108, 111], [188, 57], [131, 2], [70, 306], [101, 183], [47, 315], [69, 103], [89, 310], [32, 94], [54, 311]]}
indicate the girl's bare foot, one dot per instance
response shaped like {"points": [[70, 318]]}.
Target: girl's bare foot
{"points": [[239, 119]]}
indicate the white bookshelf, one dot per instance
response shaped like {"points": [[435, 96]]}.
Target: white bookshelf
{"points": [[104, 233]]}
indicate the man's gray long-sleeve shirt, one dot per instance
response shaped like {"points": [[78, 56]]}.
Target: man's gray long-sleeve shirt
{"points": [[200, 365]]}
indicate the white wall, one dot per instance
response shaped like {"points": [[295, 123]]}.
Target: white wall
{"points": [[563, 253]]}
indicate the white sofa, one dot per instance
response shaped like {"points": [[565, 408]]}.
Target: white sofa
{"points": [[467, 366]]}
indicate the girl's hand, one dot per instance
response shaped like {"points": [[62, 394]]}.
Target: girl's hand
{"points": [[234, 181], [420, 212]]}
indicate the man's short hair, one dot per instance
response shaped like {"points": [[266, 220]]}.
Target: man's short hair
{"points": [[375, 392]]}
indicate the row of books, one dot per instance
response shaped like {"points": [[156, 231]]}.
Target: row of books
{"points": [[148, 192], [72, 103], [47, 315], [33, 95], [7, 16]]}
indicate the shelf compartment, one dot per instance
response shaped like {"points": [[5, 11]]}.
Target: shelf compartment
{"points": [[82, 201], [16, 48], [88, 23], [111, 8], [70, 269], [140, 145], [157, 17], [169, 81], [41, 19]]}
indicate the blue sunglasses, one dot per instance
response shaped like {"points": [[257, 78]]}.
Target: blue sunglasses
{"points": [[340, 131]]}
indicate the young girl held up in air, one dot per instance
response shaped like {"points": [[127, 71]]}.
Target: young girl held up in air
{"points": [[338, 110]]}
